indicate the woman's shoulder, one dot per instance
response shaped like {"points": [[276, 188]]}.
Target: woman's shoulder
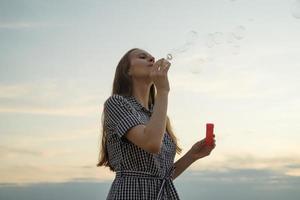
{"points": [[116, 99]]}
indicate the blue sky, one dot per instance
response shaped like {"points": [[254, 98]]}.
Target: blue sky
{"points": [[240, 71]]}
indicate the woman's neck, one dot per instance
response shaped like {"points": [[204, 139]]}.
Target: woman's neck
{"points": [[141, 92]]}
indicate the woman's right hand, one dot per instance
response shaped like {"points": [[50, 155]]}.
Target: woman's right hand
{"points": [[159, 75]]}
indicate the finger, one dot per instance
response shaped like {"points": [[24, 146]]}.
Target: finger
{"points": [[165, 62], [167, 66], [162, 65], [158, 64]]}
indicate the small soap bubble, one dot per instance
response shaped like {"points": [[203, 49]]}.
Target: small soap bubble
{"points": [[230, 38], [182, 49], [191, 37], [235, 49], [210, 40], [197, 65], [169, 56], [218, 37], [295, 9], [195, 70], [239, 32]]}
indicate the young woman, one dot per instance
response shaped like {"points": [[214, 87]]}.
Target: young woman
{"points": [[138, 142]]}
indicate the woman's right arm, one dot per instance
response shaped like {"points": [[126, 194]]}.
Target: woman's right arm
{"points": [[150, 136]]}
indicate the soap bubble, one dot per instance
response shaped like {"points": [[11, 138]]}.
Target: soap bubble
{"points": [[235, 49], [214, 38], [191, 37], [169, 56], [195, 69], [197, 65], [181, 49], [239, 32], [210, 40], [230, 38], [295, 9], [218, 37]]}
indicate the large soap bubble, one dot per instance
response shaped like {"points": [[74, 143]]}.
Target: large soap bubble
{"points": [[295, 9], [239, 32], [191, 37]]}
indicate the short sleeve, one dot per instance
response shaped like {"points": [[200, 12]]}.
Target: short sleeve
{"points": [[120, 115]]}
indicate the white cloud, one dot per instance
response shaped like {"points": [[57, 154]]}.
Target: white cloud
{"points": [[27, 173], [227, 162], [60, 111], [50, 98], [25, 25], [18, 25]]}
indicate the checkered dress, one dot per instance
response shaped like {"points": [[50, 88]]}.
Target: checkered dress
{"points": [[139, 174]]}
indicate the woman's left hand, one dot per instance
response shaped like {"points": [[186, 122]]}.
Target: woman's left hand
{"points": [[200, 149]]}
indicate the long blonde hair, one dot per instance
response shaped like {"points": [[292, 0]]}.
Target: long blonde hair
{"points": [[122, 85]]}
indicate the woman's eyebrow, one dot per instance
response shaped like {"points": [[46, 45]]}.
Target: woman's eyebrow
{"points": [[143, 54]]}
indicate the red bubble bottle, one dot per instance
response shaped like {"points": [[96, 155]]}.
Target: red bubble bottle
{"points": [[209, 134]]}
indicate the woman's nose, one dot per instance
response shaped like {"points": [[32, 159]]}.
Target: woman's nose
{"points": [[152, 60]]}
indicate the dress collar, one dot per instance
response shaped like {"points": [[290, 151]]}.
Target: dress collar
{"points": [[137, 105]]}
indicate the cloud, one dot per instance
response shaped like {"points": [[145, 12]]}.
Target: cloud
{"points": [[50, 136], [9, 154], [83, 166], [18, 25], [47, 147], [14, 91], [244, 184], [243, 181], [47, 91], [49, 98], [285, 165], [25, 25], [6, 151], [61, 111], [56, 173]]}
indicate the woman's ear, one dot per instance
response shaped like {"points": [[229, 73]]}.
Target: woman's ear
{"points": [[129, 72]]}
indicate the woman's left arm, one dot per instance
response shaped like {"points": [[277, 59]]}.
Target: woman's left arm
{"points": [[199, 150]]}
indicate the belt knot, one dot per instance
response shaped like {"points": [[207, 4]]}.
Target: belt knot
{"points": [[147, 175]]}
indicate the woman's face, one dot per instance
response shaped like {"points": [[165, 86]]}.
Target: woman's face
{"points": [[141, 63]]}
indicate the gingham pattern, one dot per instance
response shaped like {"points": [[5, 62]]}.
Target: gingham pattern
{"points": [[139, 174]]}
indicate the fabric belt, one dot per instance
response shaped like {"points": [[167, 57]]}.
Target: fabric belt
{"points": [[146, 175]]}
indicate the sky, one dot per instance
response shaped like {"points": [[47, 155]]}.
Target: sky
{"points": [[235, 64]]}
